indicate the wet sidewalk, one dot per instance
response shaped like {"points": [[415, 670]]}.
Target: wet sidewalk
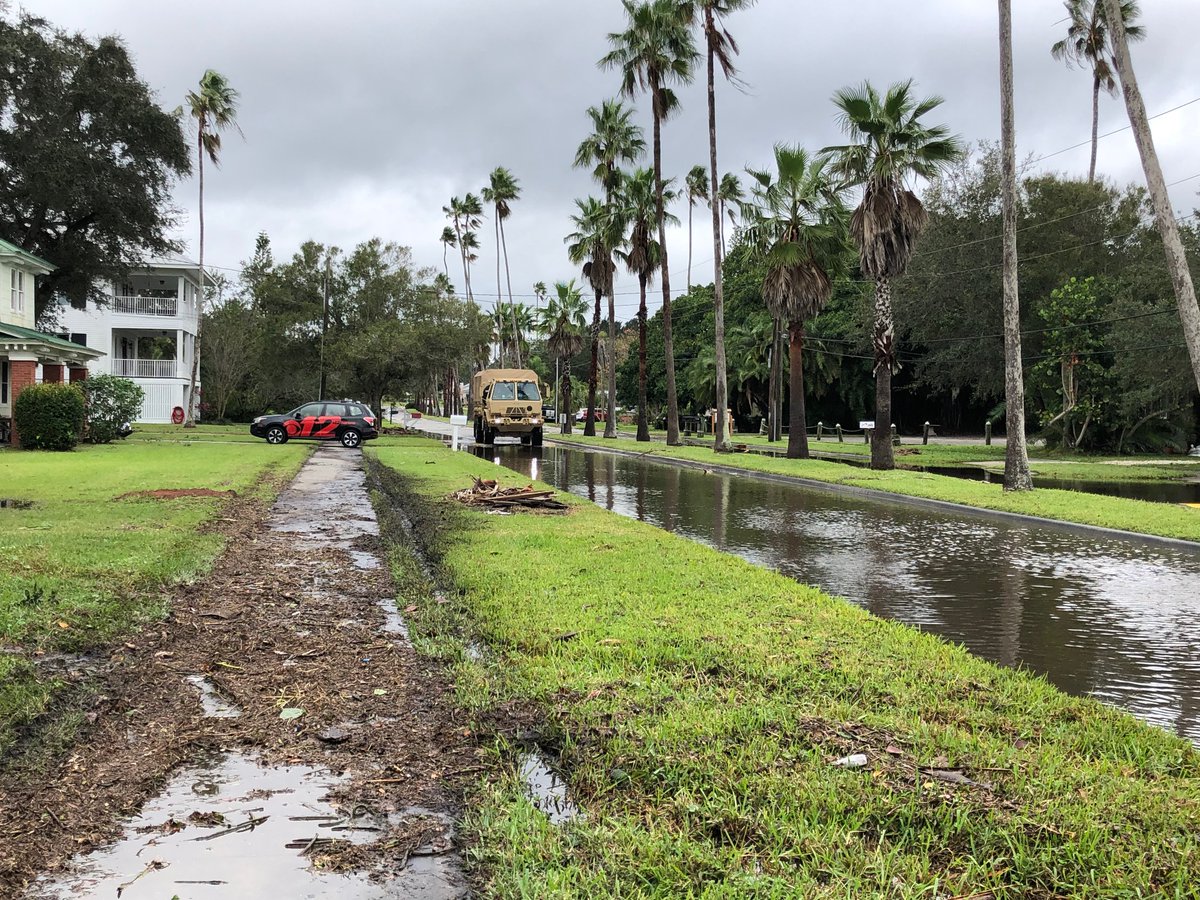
{"points": [[293, 744]]}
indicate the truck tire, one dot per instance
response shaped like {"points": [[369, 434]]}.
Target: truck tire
{"points": [[477, 433], [536, 437], [489, 435]]}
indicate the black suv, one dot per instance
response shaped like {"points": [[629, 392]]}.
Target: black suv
{"points": [[327, 420]]}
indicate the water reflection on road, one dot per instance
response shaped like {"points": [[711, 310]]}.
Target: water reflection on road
{"points": [[1116, 619]]}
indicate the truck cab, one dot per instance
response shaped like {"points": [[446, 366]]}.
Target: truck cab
{"points": [[507, 402]]}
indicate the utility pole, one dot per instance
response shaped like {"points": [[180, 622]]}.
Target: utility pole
{"points": [[324, 326]]}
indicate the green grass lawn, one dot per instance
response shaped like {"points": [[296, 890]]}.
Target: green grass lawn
{"points": [[697, 704], [1163, 519], [82, 567], [177, 433]]}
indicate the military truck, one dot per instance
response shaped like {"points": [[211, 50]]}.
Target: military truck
{"points": [[506, 402]]}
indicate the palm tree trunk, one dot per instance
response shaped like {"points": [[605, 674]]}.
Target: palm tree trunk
{"points": [[462, 255], [511, 305], [643, 420], [610, 426], [565, 395], [797, 426], [1016, 454], [668, 342], [589, 427], [885, 357], [1095, 126], [1177, 264], [772, 381], [721, 444], [189, 420], [691, 205]]}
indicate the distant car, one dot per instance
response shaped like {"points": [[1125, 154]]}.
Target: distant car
{"points": [[601, 415], [328, 420]]}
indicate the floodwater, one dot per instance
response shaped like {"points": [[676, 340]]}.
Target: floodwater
{"points": [[230, 828], [1100, 616]]}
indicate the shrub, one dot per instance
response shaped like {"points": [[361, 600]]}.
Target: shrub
{"points": [[112, 402], [49, 416]]}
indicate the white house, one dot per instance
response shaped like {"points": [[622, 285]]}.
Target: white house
{"points": [[148, 331], [28, 356]]}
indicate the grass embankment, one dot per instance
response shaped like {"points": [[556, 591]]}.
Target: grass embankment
{"points": [[1162, 519], [698, 702], [201, 433], [82, 566]]}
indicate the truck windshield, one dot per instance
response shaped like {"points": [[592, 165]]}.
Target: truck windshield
{"points": [[528, 390], [502, 390]]}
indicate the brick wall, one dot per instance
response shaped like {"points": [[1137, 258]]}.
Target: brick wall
{"points": [[21, 374]]}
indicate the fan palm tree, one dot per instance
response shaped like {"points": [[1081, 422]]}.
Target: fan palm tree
{"points": [[655, 51], [563, 322], [214, 107], [696, 187], [890, 143], [614, 139], [639, 211], [449, 239], [502, 191], [1087, 45], [596, 238], [800, 227], [1016, 462], [1164, 215]]}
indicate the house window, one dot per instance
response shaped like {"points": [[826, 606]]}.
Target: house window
{"points": [[3, 382], [17, 290]]}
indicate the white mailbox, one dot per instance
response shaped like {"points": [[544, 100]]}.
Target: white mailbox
{"points": [[456, 422]]}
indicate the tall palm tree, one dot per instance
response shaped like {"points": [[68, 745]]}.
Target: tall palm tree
{"points": [[643, 256], [800, 227], [563, 322], [729, 196], [1016, 462], [465, 215], [1087, 45], [596, 238], [214, 107], [614, 139], [655, 51], [1164, 216], [502, 191], [449, 239], [889, 144], [696, 188], [720, 48]]}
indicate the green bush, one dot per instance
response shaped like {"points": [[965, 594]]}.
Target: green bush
{"points": [[111, 403], [49, 416]]}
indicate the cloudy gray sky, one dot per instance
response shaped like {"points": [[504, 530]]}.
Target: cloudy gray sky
{"points": [[362, 118]]}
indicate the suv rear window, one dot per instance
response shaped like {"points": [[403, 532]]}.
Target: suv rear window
{"points": [[336, 409]]}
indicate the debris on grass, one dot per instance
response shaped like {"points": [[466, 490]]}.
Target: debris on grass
{"points": [[488, 493], [175, 494]]}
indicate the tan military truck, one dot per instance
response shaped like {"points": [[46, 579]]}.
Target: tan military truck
{"points": [[506, 402]]}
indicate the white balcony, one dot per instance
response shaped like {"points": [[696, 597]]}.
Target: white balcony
{"points": [[146, 306], [145, 368]]}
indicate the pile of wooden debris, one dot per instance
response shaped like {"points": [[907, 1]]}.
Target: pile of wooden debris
{"points": [[488, 493]]}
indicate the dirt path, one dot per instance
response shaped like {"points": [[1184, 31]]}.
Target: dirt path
{"points": [[295, 616]]}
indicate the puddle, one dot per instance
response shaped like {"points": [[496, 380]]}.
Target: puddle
{"points": [[364, 560], [215, 706], [545, 788], [11, 503], [393, 622], [182, 843]]}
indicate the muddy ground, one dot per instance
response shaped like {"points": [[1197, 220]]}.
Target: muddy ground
{"points": [[296, 615]]}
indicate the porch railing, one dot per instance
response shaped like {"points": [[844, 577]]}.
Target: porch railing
{"points": [[145, 368], [146, 306]]}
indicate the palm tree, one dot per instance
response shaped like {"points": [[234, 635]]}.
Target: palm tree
{"points": [[800, 228], [655, 51], [592, 244], [466, 215], [614, 139], [721, 48], [1016, 462], [214, 107], [449, 239], [502, 191], [1087, 45], [563, 322], [696, 187], [729, 196], [639, 210], [889, 144], [1164, 216]]}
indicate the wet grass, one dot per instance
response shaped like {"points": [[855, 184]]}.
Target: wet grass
{"points": [[1162, 519], [178, 434], [699, 703]]}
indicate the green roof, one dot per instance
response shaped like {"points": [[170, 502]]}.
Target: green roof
{"points": [[7, 247], [28, 334]]}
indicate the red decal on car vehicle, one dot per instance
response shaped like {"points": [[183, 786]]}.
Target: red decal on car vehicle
{"points": [[328, 425]]}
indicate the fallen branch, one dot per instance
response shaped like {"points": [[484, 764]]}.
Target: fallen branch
{"points": [[486, 492]]}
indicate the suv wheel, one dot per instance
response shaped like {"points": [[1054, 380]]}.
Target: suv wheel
{"points": [[276, 435], [350, 438]]}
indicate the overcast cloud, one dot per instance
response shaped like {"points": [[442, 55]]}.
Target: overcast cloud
{"points": [[362, 118]]}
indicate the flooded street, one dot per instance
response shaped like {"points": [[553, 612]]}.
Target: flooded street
{"points": [[1106, 617]]}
